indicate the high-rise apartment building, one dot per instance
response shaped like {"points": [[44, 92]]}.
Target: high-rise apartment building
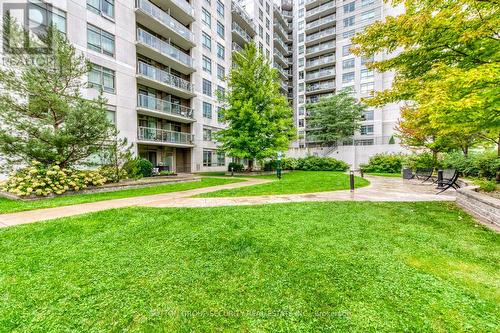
{"points": [[161, 62]]}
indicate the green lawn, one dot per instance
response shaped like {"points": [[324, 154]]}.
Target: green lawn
{"points": [[301, 267], [294, 182], [8, 206]]}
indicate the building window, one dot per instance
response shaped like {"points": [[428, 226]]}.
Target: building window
{"points": [[267, 39], [261, 31], [267, 23], [221, 158], [220, 116], [365, 60], [102, 78], [207, 110], [206, 17], [221, 72], [268, 8], [347, 77], [207, 157], [102, 7], [367, 2], [261, 15], [220, 8], [301, 49], [369, 15], [206, 41], [350, 7], [207, 64], [366, 74], [221, 92], [111, 113], [301, 122], [349, 22], [348, 64], [220, 51], [367, 115], [207, 87], [301, 38], [220, 29], [366, 87], [207, 134], [346, 50], [100, 41], [50, 16], [348, 34], [366, 130]]}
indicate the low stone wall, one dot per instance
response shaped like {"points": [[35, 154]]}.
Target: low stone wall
{"points": [[111, 187], [482, 206]]}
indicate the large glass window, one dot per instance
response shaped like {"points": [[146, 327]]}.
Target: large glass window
{"points": [[347, 64], [100, 40], [366, 87], [348, 22], [207, 134], [207, 110], [102, 78], [366, 130], [347, 77], [102, 7], [220, 51], [207, 64], [220, 8], [206, 41], [221, 72], [366, 74], [206, 17], [49, 16], [350, 7], [220, 29], [207, 87]]}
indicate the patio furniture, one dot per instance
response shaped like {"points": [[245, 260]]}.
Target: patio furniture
{"points": [[424, 174], [408, 173], [449, 179]]}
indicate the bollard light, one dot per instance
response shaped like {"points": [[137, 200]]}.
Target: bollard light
{"points": [[440, 180], [351, 180]]}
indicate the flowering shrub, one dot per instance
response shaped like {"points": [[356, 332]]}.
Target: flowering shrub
{"points": [[41, 180]]}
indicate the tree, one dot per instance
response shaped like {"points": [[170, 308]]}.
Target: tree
{"points": [[258, 117], [448, 66], [335, 117], [43, 115], [118, 158]]}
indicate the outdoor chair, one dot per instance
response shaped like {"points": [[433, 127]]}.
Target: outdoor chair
{"points": [[450, 177], [424, 174]]}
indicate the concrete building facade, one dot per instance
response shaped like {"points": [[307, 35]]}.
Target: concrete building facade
{"points": [[160, 63]]}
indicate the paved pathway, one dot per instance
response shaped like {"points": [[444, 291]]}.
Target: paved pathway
{"points": [[380, 189]]}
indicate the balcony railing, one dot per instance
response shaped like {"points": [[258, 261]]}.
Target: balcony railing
{"points": [[278, 39], [246, 36], [320, 47], [321, 86], [321, 21], [235, 7], [159, 105], [319, 74], [320, 34], [161, 76], [163, 47], [166, 19], [236, 47], [320, 61], [164, 136], [186, 6], [321, 8], [280, 56]]}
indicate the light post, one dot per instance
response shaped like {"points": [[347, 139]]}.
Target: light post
{"points": [[278, 167]]}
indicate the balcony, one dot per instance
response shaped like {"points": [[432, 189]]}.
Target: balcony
{"points": [[156, 107], [282, 71], [311, 4], [240, 35], [281, 59], [153, 135], [159, 79], [320, 49], [320, 23], [236, 47], [320, 87], [161, 51], [321, 74], [320, 36], [180, 9], [278, 29], [278, 42], [320, 62], [155, 19], [322, 10], [241, 17]]}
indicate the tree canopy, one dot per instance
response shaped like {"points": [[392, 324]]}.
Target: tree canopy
{"points": [[334, 117], [259, 118], [43, 114], [446, 56]]}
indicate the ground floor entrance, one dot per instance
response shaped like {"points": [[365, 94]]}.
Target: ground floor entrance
{"points": [[167, 158]]}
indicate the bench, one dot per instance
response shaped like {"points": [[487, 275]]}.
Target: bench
{"points": [[450, 177], [425, 174]]}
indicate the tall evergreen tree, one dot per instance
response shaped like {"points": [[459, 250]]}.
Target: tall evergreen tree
{"points": [[334, 117], [43, 115], [259, 119]]}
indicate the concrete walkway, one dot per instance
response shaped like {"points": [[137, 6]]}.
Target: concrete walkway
{"points": [[380, 189]]}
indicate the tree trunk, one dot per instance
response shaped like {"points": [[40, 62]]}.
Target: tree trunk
{"points": [[250, 164], [498, 156]]}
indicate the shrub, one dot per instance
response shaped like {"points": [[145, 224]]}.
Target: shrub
{"points": [[40, 180], [313, 163], [485, 164], [290, 163], [420, 161], [166, 173], [131, 167], [145, 167], [486, 185], [389, 163], [236, 167]]}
